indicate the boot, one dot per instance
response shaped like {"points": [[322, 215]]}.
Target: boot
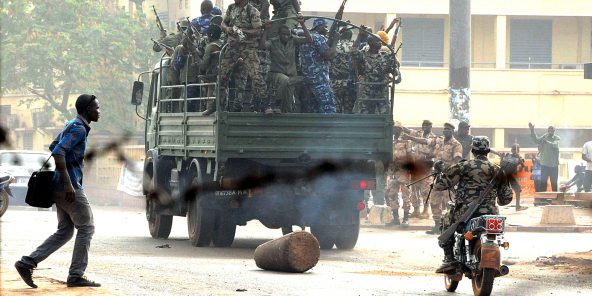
{"points": [[395, 219], [435, 229], [405, 218], [449, 264], [424, 214]]}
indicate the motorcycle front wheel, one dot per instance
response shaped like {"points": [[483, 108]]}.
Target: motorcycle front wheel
{"points": [[3, 202], [450, 283]]}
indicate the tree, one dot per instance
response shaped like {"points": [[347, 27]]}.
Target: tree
{"points": [[58, 48]]}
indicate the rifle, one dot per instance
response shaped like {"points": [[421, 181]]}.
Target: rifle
{"points": [[334, 26], [193, 48], [423, 178], [396, 34], [163, 32], [449, 232], [169, 50]]}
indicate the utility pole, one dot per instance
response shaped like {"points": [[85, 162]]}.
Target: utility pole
{"points": [[460, 61]]}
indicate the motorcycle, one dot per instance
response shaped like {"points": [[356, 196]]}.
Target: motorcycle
{"points": [[5, 192], [477, 251]]}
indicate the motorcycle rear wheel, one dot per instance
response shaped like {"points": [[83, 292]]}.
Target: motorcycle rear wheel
{"points": [[483, 280], [3, 202]]}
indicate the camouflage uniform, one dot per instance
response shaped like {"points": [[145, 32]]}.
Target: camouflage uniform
{"points": [[342, 77], [316, 73], [423, 153], [246, 17], [373, 94], [445, 151], [471, 177], [399, 177], [283, 9], [210, 69], [259, 5]]}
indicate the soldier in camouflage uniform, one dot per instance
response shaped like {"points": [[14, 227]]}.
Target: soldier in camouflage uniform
{"points": [[449, 151], [242, 24], [209, 65], [342, 78], [263, 7], [374, 68], [314, 60], [284, 9], [424, 155], [398, 177], [470, 178]]}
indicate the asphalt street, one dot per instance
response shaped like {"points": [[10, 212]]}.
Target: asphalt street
{"points": [[127, 261]]}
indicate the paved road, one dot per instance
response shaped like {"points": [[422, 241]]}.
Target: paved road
{"points": [[385, 262]]}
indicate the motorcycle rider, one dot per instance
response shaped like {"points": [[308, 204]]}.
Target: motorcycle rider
{"points": [[470, 178]]}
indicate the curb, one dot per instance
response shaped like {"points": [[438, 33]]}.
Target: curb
{"points": [[514, 228]]}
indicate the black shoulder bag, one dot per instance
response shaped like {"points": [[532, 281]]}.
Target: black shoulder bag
{"points": [[40, 188]]}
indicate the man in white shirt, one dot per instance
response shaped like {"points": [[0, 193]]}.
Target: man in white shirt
{"points": [[587, 156]]}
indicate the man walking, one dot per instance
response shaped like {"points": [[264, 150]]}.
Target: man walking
{"points": [[73, 209], [549, 144]]}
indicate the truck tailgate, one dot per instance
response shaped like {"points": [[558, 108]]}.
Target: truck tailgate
{"points": [[294, 135]]}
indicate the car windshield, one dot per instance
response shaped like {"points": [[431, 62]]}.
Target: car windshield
{"points": [[29, 160]]}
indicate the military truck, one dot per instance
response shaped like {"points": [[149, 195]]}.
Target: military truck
{"points": [[185, 150]]}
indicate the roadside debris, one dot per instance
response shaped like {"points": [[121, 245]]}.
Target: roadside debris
{"points": [[295, 252]]}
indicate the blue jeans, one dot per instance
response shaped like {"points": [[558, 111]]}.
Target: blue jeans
{"points": [[77, 214]]}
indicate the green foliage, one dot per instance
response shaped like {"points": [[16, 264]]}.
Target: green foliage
{"points": [[58, 48]]}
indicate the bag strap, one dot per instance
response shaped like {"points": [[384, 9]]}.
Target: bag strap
{"points": [[42, 166]]}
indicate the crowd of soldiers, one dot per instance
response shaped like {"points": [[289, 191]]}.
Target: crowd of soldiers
{"points": [[275, 64], [418, 151]]}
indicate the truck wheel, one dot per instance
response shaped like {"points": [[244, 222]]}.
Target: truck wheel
{"points": [[225, 230], [200, 224], [159, 225], [346, 236], [325, 234]]}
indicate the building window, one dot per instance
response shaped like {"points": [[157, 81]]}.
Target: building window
{"points": [[530, 44], [423, 40], [186, 4], [40, 117]]}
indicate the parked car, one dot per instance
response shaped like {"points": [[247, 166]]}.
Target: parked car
{"points": [[21, 164]]}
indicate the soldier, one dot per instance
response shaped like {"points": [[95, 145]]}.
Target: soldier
{"points": [[342, 76], [465, 139], [283, 74], [449, 151], [423, 154], [399, 176], [173, 40], [374, 68], [209, 65], [314, 59], [186, 62], [242, 24], [470, 178]]}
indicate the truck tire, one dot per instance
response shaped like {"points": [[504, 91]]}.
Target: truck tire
{"points": [[200, 224], [325, 234], [346, 236], [225, 230], [159, 225]]}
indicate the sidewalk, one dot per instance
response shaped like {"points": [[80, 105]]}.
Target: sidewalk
{"points": [[524, 221]]}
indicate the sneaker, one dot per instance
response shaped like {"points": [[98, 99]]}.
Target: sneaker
{"points": [[26, 273], [434, 230], [277, 111], [81, 282], [208, 112], [521, 208], [268, 111]]}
